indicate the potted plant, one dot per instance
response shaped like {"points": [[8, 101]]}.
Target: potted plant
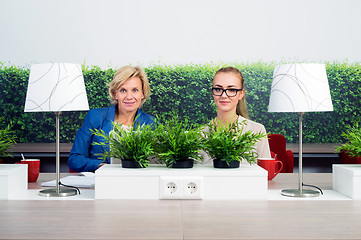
{"points": [[133, 147], [178, 143], [227, 145], [350, 152], [7, 138]]}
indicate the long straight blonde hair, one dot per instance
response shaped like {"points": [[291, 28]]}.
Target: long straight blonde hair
{"points": [[241, 108]]}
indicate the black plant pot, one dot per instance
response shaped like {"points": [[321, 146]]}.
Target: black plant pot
{"points": [[130, 164], [223, 164], [183, 164]]}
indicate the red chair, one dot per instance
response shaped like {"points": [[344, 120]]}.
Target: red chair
{"points": [[277, 144], [346, 158]]}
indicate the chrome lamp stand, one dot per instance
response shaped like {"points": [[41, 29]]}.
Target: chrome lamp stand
{"points": [[58, 192], [300, 192]]}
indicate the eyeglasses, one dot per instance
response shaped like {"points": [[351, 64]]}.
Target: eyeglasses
{"points": [[230, 92]]}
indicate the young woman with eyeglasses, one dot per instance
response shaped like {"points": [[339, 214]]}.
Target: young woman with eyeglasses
{"points": [[229, 96]]}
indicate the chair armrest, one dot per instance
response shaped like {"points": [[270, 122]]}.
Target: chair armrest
{"points": [[290, 161]]}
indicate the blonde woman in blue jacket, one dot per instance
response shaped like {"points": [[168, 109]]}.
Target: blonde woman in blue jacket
{"points": [[128, 90]]}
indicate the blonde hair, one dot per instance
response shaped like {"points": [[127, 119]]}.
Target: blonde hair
{"points": [[125, 73], [241, 108]]}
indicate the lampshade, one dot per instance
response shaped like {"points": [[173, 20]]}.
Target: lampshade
{"points": [[56, 87], [300, 88]]}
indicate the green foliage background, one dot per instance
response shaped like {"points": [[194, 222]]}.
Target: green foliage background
{"points": [[185, 89]]}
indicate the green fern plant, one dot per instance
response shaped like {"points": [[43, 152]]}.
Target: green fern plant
{"points": [[177, 140], [7, 138], [228, 142], [353, 137], [136, 144]]}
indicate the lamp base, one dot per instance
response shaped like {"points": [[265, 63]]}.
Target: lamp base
{"points": [[63, 192], [297, 193]]}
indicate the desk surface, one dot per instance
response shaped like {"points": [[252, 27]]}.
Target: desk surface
{"points": [[313, 148], [40, 147], [281, 181], [184, 219], [66, 147]]}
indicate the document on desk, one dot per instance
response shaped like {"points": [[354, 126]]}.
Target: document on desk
{"points": [[85, 180]]}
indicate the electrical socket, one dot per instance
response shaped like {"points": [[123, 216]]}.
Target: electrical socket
{"points": [[170, 188], [180, 187], [193, 188]]}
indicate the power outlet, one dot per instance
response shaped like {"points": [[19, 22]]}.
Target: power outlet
{"points": [[193, 188], [170, 188], [180, 187]]}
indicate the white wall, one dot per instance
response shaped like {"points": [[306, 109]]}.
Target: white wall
{"points": [[114, 33]]}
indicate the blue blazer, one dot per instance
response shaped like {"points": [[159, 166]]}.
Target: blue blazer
{"points": [[83, 156]]}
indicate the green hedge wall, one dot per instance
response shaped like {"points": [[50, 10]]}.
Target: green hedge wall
{"points": [[185, 89]]}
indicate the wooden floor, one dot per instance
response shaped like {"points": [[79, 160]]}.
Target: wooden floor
{"points": [[184, 219]]}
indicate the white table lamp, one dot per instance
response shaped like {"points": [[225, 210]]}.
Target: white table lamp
{"points": [[56, 87], [300, 88]]}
